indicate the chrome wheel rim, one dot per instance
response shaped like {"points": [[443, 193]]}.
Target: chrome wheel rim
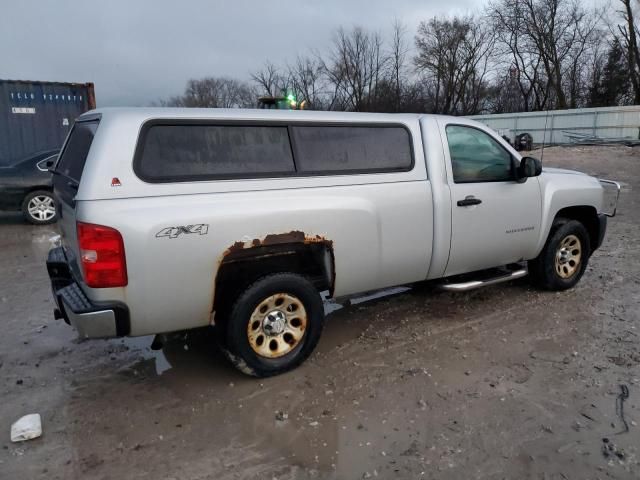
{"points": [[277, 325], [568, 256], [41, 207]]}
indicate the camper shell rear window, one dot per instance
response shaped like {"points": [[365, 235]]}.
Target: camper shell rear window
{"points": [[72, 159], [76, 150], [179, 151]]}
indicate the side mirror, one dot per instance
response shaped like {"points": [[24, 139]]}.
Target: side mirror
{"points": [[529, 167], [51, 163]]}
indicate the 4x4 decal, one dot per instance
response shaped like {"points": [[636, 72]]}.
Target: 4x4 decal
{"points": [[174, 232]]}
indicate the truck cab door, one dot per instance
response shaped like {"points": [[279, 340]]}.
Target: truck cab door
{"points": [[495, 220]]}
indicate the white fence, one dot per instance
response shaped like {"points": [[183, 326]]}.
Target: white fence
{"points": [[557, 127]]}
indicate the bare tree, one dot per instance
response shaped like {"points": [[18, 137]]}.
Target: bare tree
{"points": [[214, 92], [453, 55], [398, 61], [628, 37], [522, 61], [270, 80], [504, 93], [310, 85], [355, 67], [519, 55], [548, 41], [583, 59]]}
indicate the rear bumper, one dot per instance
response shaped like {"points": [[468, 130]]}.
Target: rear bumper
{"points": [[90, 319]]}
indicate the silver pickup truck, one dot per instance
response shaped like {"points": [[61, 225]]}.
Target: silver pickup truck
{"points": [[173, 219]]}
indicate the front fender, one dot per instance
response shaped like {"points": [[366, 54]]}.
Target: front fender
{"points": [[565, 189]]}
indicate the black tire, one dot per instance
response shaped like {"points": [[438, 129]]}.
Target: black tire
{"points": [[543, 270], [43, 217], [236, 344]]}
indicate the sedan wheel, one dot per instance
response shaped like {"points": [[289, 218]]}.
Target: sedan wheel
{"points": [[39, 207]]}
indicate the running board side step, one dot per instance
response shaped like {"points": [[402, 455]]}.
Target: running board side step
{"points": [[473, 284]]}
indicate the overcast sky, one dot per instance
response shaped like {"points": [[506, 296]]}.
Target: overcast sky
{"points": [[138, 51]]}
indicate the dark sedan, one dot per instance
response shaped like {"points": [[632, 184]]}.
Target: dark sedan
{"points": [[26, 186]]}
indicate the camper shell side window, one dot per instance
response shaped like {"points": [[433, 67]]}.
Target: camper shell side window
{"points": [[182, 151]]}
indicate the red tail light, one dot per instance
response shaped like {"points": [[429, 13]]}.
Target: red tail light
{"points": [[102, 256]]}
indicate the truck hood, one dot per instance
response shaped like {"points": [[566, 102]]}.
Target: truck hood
{"points": [[561, 170]]}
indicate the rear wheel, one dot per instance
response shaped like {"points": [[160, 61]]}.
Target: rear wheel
{"points": [[274, 325], [39, 207], [564, 257]]}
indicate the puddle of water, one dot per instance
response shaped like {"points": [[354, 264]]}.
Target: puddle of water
{"points": [[192, 353], [331, 306], [162, 364], [138, 343], [142, 347]]}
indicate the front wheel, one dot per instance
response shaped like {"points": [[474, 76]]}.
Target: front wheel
{"points": [[274, 325], [564, 258], [39, 207]]}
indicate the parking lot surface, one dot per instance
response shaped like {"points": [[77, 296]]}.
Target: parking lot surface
{"points": [[502, 382]]}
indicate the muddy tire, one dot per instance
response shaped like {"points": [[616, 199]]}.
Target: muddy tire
{"points": [[39, 207], [564, 258], [273, 325]]}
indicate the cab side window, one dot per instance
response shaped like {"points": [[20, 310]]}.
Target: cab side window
{"points": [[477, 157]]}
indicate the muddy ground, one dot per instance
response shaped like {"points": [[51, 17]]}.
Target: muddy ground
{"points": [[503, 382]]}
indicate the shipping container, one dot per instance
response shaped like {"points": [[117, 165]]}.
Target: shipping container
{"points": [[36, 116]]}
